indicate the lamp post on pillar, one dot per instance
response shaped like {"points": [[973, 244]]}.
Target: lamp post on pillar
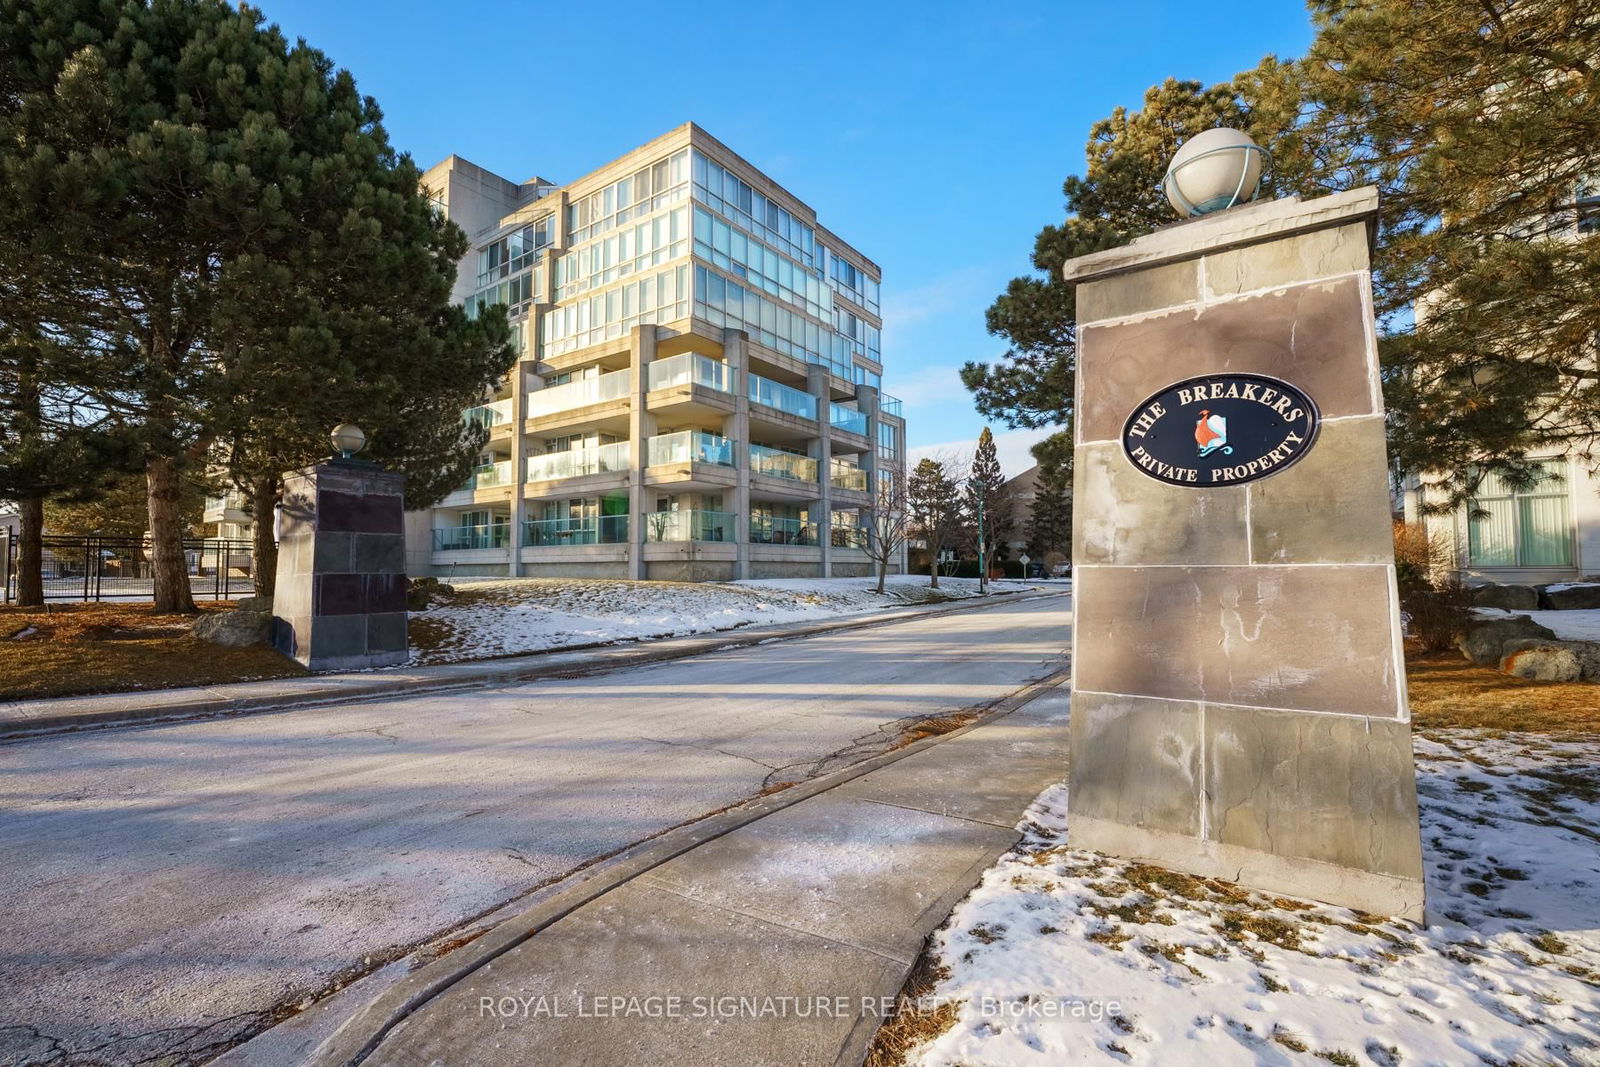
{"points": [[1239, 704]]}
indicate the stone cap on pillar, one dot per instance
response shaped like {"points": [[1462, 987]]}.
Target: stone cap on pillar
{"points": [[1265, 220]]}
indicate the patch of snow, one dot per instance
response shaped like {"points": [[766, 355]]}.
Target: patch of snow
{"points": [[508, 616], [1577, 625], [1063, 956], [1561, 587]]}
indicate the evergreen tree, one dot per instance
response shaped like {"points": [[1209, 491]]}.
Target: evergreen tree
{"points": [[219, 221], [987, 504], [1050, 523], [933, 501]]}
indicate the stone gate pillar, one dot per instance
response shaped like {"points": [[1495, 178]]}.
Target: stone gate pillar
{"points": [[340, 599], [1239, 703]]}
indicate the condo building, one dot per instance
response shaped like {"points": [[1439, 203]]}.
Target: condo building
{"points": [[697, 395]]}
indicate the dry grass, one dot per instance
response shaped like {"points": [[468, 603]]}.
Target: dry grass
{"points": [[1448, 690], [917, 1021], [103, 648], [933, 726]]}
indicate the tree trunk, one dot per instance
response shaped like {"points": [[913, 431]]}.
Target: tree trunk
{"points": [[171, 571], [883, 572], [30, 552], [264, 546], [933, 565]]}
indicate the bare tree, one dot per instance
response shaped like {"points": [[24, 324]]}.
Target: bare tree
{"points": [[887, 521], [933, 506]]}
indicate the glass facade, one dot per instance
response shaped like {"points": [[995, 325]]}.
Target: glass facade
{"points": [[658, 297], [1528, 527]]}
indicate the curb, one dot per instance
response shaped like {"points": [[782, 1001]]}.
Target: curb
{"points": [[214, 701], [359, 1035]]}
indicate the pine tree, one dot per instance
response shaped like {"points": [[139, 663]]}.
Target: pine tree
{"points": [[218, 219], [933, 500], [1050, 523], [987, 504]]}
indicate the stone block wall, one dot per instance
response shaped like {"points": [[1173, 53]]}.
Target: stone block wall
{"points": [[1239, 705]]}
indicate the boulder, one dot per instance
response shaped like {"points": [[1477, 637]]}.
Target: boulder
{"points": [[1570, 596], [1510, 597], [1588, 653], [1484, 643], [420, 592], [234, 628], [254, 603], [1541, 661]]}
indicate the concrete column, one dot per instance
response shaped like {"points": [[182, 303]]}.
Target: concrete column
{"points": [[1239, 703], [641, 427], [818, 385], [736, 428], [519, 450], [340, 601], [867, 404]]}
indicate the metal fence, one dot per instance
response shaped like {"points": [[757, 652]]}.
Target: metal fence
{"points": [[119, 568]]}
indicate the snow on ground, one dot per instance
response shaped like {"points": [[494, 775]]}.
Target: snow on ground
{"points": [[506, 616], [1507, 972], [1578, 625]]}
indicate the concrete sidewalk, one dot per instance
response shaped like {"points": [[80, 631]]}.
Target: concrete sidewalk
{"points": [[825, 900], [31, 716]]}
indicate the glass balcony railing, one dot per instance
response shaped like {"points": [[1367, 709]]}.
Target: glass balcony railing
{"points": [[460, 538], [580, 393], [585, 530], [847, 476], [691, 368], [494, 414], [849, 419], [490, 475], [776, 463], [689, 446], [577, 462], [783, 397], [890, 405], [692, 525], [846, 536], [779, 531]]}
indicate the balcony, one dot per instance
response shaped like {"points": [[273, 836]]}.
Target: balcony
{"points": [[587, 530], [461, 538], [890, 405], [692, 525], [779, 531], [847, 536], [691, 368], [848, 419], [577, 462], [784, 398], [689, 446], [218, 508], [490, 475], [775, 463], [490, 415], [846, 476], [581, 393]]}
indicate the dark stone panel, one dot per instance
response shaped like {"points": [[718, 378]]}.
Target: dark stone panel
{"points": [[1332, 506], [1312, 335], [340, 594], [1322, 787], [386, 592], [378, 553], [360, 514], [1136, 762], [387, 632], [333, 553], [1308, 638], [339, 636]]}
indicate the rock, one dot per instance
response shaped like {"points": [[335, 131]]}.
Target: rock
{"points": [[1484, 643], [1541, 661], [234, 628], [420, 592], [254, 603], [1588, 653], [1510, 597], [1570, 596]]}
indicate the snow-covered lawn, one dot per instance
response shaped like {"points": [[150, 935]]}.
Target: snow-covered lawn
{"points": [[1579, 625], [506, 616], [1507, 972]]}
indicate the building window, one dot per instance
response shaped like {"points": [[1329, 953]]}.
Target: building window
{"points": [[1529, 527]]}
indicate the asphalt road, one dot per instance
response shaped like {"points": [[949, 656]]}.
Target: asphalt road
{"points": [[167, 890]]}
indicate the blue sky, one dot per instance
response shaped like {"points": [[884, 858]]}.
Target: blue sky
{"points": [[933, 136]]}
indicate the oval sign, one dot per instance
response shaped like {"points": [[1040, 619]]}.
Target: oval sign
{"points": [[1220, 429]]}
